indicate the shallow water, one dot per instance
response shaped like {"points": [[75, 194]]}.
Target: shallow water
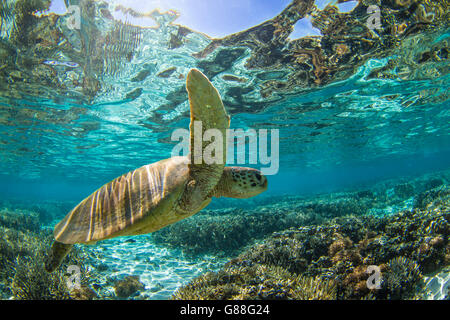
{"points": [[362, 116]]}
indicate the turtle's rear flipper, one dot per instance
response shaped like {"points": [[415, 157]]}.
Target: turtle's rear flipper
{"points": [[57, 253]]}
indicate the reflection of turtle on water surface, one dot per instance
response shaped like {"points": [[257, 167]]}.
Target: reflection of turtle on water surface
{"points": [[156, 195]]}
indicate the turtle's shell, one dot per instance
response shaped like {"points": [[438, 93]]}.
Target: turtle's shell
{"points": [[138, 202]]}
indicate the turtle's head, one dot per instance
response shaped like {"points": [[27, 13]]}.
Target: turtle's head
{"points": [[240, 182]]}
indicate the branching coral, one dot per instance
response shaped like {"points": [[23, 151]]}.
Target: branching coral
{"points": [[400, 278], [20, 221], [15, 244], [342, 249], [256, 282], [30, 281], [23, 246], [227, 232], [286, 253], [233, 229], [431, 197]]}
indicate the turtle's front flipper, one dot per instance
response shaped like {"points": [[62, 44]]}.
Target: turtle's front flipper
{"points": [[207, 112], [57, 253]]}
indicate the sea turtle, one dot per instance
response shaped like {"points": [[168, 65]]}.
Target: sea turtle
{"points": [[159, 194]]}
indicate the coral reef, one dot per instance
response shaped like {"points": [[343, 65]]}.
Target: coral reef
{"points": [[400, 278], [228, 230], [256, 282], [433, 183], [342, 250], [14, 244], [403, 245], [30, 281], [318, 247], [20, 221], [23, 247], [404, 190], [23, 210], [224, 231], [430, 197]]}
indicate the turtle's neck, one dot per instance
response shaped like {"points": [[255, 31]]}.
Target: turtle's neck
{"points": [[223, 187]]}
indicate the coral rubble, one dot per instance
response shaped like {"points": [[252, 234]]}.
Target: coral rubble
{"points": [[128, 286]]}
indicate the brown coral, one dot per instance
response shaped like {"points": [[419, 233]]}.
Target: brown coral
{"points": [[256, 282], [128, 286], [342, 250]]}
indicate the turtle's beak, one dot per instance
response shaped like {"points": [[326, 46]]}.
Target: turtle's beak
{"points": [[260, 182], [265, 182]]}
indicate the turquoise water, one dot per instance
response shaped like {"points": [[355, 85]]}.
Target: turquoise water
{"points": [[356, 109]]}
